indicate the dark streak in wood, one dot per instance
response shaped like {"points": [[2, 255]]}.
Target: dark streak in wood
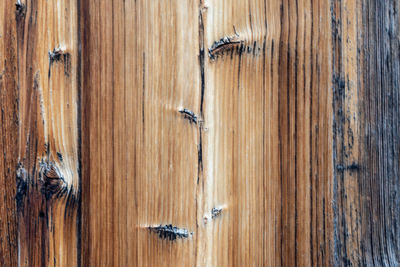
{"points": [[351, 167], [22, 185], [85, 38]]}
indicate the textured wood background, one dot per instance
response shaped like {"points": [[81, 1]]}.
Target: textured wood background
{"points": [[199, 133]]}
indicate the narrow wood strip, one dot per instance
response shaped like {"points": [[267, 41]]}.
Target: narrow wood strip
{"points": [[9, 135]]}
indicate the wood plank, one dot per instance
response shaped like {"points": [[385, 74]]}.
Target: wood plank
{"points": [[41, 54], [366, 128], [141, 69], [267, 145], [9, 135], [246, 168]]}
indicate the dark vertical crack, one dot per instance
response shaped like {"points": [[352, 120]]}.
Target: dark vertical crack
{"points": [[202, 86], [201, 60]]}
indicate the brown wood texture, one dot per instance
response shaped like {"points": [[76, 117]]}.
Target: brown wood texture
{"points": [[260, 150], [366, 132], [9, 136], [199, 133], [40, 137]]}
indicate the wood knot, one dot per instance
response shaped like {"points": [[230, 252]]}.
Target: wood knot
{"points": [[215, 212], [227, 43], [20, 9], [352, 167], [170, 232], [189, 115], [56, 54], [53, 183], [59, 54]]}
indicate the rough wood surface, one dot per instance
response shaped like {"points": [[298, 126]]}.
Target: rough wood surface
{"points": [[199, 133], [40, 137], [141, 69], [366, 127], [214, 117], [9, 135]]}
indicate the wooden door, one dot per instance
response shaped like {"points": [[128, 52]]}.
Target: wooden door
{"points": [[199, 133]]}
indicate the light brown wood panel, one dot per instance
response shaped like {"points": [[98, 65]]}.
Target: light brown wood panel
{"points": [[142, 69], [268, 121], [246, 168], [234, 160]]}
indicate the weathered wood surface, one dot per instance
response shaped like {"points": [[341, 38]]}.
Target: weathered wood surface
{"points": [[250, 153], [199, 133], [366, 132], [9, 136], [40, 132]]}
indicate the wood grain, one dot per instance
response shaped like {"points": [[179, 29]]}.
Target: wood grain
{"points": [[366, 131], [268, 162], [199, 133], [141, 68], [9, 136], [259, 151], [41, 133]]}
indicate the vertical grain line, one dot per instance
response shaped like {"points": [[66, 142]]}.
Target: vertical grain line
{"points": [[296, 136], [79, 141]]}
